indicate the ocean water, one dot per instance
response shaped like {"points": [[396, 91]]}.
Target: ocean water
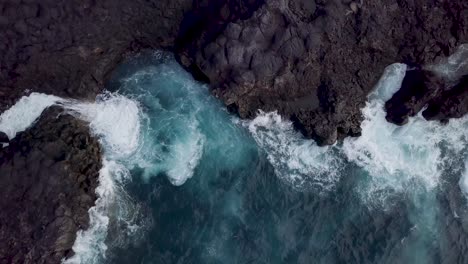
{"points": [[184, 181]]}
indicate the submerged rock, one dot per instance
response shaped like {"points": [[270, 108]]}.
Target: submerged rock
{"points": [[48, 176]]}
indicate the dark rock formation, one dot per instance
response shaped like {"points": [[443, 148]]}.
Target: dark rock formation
{"points": [[418, 87], [3, 138], [48, 175], [316, 61], [67, 48], [421, 88], [451, 103]]}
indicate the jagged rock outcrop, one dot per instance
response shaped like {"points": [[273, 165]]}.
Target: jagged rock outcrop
{"points": [[451, 103], [418, 87], [441, 87], [424, 88], [48, 176], [316, 61]]}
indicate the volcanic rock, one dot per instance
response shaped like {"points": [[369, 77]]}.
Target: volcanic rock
{"points": [[418, 87], [48, 176], [68, 48], [317, 62], [452, 103], [3, 138]]}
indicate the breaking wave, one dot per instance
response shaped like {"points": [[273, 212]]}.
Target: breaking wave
{"points": [[398, 159], [115, 120], [161, 122], [22, 114], [402, 159], [299, 161]]}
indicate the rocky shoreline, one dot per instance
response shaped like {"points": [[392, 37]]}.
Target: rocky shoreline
{"points": [[314, 62], [48, 176], [317, 62]]}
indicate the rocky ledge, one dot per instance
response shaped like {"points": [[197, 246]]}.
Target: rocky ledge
{"points": [[48, 175]]}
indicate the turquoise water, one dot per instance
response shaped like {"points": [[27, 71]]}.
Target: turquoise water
{"points": [[202, 186], [184, 181]]}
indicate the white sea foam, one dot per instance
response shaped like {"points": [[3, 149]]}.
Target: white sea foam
{"points": [[397, 159], [173, 142], [454, 66], [22, 114], [400, 159], [295, 159], [464, 179], [89, 246], [115, 119], [389, 83], [184, 156], [300, 161]]}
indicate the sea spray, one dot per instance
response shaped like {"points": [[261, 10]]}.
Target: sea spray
{"points": [[24, 112], [453, 67], [394, 168], [398, 159], [184, 122], [115, 120], [298, 161], [159, 124], [232, 208], [235, 209], [401, 158], [172, 142], [90, 246]]}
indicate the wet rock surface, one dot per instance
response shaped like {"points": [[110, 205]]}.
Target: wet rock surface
{"points": [[48, 176]]}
